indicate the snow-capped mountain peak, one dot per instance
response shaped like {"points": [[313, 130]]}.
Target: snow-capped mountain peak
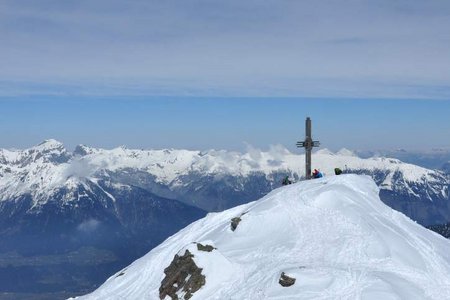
{"points": [[35, 171], [325, 151], [49, 151], [49, 144], [330, 238], [345, 152], [82, 150]]}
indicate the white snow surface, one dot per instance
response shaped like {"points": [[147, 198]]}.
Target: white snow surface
{"points": [[334, 235], [35, 171]]}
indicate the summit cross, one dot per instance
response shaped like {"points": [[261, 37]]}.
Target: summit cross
{"points": [[308, 144]]}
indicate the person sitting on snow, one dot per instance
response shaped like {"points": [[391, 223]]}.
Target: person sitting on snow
{"points": [[286, 181], [317, 174]]}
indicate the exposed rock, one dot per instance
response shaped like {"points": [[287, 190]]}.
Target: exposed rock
{"points": [[286, 280], [181, 275], [122, 272], [206, 248], [235, 221]]}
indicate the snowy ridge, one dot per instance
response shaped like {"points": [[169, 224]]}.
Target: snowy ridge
{"points": [[333, 235], [345, 152], [41, 170]]}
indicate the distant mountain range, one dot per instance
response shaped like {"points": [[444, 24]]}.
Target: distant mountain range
{"points": [[63, 232], [126, 201], [432, 159]]}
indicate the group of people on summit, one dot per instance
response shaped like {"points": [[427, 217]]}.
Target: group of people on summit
{"points": [[315, 174]]}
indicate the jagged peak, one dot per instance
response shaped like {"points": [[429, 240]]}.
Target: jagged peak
{"points": [[49, 150], [49, 144], [83, 150]]}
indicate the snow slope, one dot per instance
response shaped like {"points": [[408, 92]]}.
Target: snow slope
{"points": [[333, 235]]}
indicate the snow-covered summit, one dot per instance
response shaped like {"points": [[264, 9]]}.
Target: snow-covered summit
{"points": [[49, 151], [49, 144], [333, 236]]}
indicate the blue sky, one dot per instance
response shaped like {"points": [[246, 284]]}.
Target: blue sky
{"points": [[224, 123], [215, 74]]}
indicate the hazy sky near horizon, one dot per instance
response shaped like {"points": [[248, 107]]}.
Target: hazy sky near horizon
{"points": [[203, 74], [325, 48], [225, 123]]}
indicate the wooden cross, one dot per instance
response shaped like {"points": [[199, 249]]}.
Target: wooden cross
{"points": [[308, 144]]}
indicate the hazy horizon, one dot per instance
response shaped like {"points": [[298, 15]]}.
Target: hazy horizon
{"points": [[225, 123]]}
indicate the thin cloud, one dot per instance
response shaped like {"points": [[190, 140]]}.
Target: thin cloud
{"points": [[232, 48]]}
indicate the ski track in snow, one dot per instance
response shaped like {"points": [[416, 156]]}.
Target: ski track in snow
{"points": [[334, 235]]}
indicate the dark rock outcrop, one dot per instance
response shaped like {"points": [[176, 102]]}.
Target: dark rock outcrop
{"points": [[235, 222], [121, 273], [181, 275], [206, 248], [285, 280]]}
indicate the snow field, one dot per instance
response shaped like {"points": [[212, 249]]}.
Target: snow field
{"points": [[334, 235]]}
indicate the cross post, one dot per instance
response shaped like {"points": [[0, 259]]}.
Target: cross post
{"points": [[308, 144]]}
